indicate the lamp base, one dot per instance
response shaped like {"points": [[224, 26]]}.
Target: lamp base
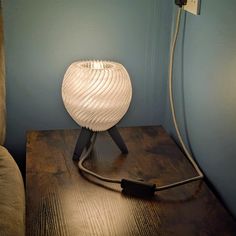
{"points": [[86, 135]]}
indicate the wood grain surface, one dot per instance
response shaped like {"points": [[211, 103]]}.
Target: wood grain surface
{"points": [[61, 201]]}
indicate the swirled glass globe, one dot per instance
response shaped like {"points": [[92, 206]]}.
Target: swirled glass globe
{"points": [[96, 94]]}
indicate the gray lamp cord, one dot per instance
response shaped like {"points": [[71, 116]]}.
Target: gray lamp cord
{"points": [[190, 158]]}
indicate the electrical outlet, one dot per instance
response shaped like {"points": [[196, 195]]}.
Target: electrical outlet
{"points": [[193, 6]]}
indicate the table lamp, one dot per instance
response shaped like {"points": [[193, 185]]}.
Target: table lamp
{"points": [[97, 95]]}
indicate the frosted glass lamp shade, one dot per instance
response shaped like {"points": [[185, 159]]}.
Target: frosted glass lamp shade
{"points": [[96, 94]]}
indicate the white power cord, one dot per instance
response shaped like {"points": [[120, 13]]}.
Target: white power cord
{"points": [[89, 172], [139, 186], [172, 54]]}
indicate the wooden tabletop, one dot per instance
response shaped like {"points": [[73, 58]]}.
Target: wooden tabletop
{"points": [[61, 201]]}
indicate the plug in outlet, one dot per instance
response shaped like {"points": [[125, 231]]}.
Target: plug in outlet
{"points": [[193, 6]]}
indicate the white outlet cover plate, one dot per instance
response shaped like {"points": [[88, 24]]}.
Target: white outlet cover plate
{"points": [[193, 6]]}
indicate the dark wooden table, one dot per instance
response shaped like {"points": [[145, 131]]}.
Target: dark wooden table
{"points": [[60, 201]]}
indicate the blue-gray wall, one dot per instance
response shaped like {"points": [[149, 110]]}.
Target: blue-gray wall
{"points": [[205, 83], [43, 37]]}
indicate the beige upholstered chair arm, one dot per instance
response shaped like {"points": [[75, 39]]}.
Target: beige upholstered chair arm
{"points": [[12, 197]]}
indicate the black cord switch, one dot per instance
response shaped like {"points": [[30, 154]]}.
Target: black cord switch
{"points": [[137, 188]]}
